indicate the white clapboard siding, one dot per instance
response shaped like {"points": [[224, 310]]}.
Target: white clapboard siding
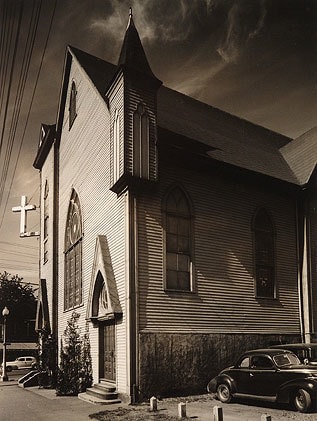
{"points": [[46, 268], [85, 166], [224, 299]]}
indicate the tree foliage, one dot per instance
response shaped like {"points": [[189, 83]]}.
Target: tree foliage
{"points": [[47, 358], [21, 302], [74, 373], [17, 296]]}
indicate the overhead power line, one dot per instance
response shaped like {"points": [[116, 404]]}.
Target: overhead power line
{"points": [[29, 110], [20, 91], [11, 74]]}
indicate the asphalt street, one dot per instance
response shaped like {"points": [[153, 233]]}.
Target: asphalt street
{"points": [[35, 404]]}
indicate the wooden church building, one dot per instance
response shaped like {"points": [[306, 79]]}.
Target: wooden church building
{"points": [[182, 235]]}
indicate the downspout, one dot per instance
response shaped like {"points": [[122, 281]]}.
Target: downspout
{"points": [[55, 241], [132, 298], [306, 288], [299, 235], [136, 298], [309, 272]]}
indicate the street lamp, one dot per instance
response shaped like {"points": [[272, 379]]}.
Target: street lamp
{"points": [[5, 313]]}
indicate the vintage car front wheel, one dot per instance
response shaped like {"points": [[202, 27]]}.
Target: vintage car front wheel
{"points": [[302, 400], [224, 393]]}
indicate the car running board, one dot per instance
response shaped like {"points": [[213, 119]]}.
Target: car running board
{"points": [[256, 397]]}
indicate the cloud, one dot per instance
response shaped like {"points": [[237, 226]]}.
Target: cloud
{"points": [[194, 83], [245, 20], [164, 20]]}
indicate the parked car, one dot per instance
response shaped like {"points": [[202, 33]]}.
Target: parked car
{"points": [[20, 363], [274, 375], [307, 353]]}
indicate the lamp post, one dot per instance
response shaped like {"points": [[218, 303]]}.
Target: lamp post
{"points": [[5, 313]]}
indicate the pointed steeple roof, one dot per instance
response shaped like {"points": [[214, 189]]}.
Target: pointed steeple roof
{"points": [[132, 55]]}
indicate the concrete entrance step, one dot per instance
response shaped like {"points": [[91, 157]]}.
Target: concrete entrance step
{"points": [[103, 393]]}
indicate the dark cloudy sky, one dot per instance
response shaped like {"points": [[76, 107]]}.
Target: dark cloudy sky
{"points": [[253, 58]]}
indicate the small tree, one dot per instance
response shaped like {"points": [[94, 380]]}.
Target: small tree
{"points": [[70, 359], [85, 376], [75, 371], [47, 358]]}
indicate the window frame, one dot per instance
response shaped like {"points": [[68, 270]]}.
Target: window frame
{"points": [[72, 110], [141, 142], [269, 234], [166, 213], [116, 146], [73, 255]]}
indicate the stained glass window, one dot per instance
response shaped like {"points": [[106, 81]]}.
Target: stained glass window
{"points": [[73, 254]]}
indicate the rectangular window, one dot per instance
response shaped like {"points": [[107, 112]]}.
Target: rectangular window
{"points": [[178, 257]]}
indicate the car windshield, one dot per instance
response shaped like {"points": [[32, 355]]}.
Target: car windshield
{"points": [[282, 360]]}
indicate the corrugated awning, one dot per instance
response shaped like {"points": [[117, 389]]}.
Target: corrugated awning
{"points": [[20, 346]]}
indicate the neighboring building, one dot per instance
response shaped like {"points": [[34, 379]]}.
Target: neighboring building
{"points": [[182, 235]]}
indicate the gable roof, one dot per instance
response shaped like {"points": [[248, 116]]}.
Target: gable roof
{"points": [[228, 138], [301, 155], [47, 138], [103, 276], [100, 72]]}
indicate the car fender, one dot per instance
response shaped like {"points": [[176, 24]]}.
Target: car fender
{"points": [[222, 378], [286, 389]]}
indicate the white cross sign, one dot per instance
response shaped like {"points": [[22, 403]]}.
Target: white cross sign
{"points": [[23, 208]]}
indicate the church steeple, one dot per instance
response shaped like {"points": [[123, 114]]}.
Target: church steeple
{"points": [[132, 55], [132, 98]]}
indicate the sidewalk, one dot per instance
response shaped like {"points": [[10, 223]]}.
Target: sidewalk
{"points": [[34, 404]]}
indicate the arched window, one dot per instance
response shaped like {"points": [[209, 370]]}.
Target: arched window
{"points": [[116, 146], [141, 137], [46, 219], [264, 253], [178, 239], [73, 254], [72, 105]]}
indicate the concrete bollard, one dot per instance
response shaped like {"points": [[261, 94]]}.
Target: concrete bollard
{"points": [[181, 410], [153, 404], [265, 417], [218, 413]]}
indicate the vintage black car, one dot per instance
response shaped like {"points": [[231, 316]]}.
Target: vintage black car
{"points": [[307, 353], [274, 375]]}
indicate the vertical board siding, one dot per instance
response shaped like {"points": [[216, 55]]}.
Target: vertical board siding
{"points": [[182, 364], [46, 269], [224, 298], [85, 166]]}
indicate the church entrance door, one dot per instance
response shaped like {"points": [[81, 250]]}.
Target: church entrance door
{"points": [[107, 351]]}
